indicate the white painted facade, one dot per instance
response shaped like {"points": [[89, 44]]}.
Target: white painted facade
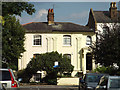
{"points": [[54, 42]]}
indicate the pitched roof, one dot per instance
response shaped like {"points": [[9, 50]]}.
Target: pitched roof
{"points": [[35, 27], [103, 16]]}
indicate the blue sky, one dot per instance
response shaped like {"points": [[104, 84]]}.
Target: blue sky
{"points": [[76, 12]]}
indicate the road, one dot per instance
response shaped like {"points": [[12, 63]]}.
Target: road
{"points": [[46, 87], [49, 87]]}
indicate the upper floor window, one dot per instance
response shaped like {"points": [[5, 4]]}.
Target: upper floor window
{"points": [[66, 40], [88, 40], [37, 40], [105, 30]]}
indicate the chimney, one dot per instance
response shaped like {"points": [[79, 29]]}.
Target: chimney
{"points": [[50, 17], [113, 11]]}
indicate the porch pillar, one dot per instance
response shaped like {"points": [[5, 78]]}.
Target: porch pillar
{"points": [[84, 62]]}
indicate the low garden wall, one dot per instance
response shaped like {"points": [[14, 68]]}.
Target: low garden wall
{"points": [[67, 81]]}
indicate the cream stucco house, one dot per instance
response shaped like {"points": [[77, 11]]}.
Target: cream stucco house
{"points": [[67, 38], [70, 39]]}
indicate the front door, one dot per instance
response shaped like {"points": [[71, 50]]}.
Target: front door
{"points": [[88, 61]]}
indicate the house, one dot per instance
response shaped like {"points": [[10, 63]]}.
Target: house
{"points": [[70, 39], [104, 20], [66, 38]]}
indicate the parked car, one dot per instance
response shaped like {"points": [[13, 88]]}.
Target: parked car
{"points": [[109, 83], [7, 78], [2, 87], [89, 81]]}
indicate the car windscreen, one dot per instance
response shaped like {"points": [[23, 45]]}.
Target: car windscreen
{"points": [[5, 76], [115, 83], [93, 78]]}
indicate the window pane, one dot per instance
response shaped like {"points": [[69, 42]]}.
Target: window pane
{"points": [[68, 56], [6, 75], [67, 40], [37, 40], [114, 83], [105, 30], [88, 40]]}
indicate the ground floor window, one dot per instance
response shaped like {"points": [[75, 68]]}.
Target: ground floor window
{"points": [[68, 56]]}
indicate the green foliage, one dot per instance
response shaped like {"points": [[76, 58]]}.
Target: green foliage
{"points": [[51, 78], [100, 69], [45, 62], [12, 32], [16, 8], [106, 50], [108, 70], [25, 76], [12, 40]]}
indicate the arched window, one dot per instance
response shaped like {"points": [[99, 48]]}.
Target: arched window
{"points": [[88, 40], [37, 40], [66, 40]]}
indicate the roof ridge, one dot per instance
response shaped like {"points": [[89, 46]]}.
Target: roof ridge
{"points": [[100, 11], [30, 23], [27, 23]]}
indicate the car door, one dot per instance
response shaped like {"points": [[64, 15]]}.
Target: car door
{"points": [[102, 84], [5, 78]]}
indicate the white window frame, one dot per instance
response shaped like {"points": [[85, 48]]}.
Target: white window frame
{"points": [[39, 37], [66, 40], [88, 40]]}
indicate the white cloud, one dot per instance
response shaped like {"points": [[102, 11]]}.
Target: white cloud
{"points": [[42, 14], [39, 16], [19, 18]]}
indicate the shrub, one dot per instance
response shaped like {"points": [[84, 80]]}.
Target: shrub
{"points": [[108, 70]]}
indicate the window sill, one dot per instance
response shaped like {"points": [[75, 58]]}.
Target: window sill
{"points": [[88, 45], [67, 45], [36, 45]]}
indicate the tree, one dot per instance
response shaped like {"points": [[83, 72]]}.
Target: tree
{"points": [[106, 50], [12, 41], [16, 8], [12, 32], [45, 62]]}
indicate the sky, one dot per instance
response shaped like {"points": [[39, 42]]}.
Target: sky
{"points": [[75, 12]]}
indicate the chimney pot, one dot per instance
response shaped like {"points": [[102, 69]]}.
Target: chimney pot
{"points": [[49, 10], [50, 17], [113, 10], [52, 10]]}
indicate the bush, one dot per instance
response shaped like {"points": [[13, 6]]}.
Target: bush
{"points": [[24, 75], [51, 78], [108, 70], [45, 62]]}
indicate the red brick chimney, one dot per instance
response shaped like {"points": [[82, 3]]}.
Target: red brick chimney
{"points": [[50, 17], [113, 10]]}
